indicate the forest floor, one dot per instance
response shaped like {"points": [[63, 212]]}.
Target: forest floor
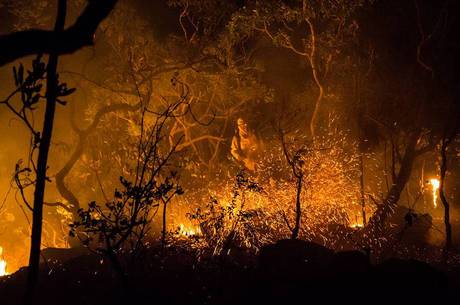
{"points": [[281, 273]]}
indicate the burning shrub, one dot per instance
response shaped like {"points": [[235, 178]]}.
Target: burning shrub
{"points": [[262, 208], [227, 224], [330, 191]]}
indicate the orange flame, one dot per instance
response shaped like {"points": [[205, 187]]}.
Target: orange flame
{"points": [[2, 264], [435, 187], [186, 231]]}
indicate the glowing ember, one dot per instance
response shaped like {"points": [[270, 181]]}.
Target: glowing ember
{"points": [[185, 231], [435, 185], [2, 264], [356, 225]]}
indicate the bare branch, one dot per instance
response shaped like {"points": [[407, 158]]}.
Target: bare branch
{"points": [[80, 34]]}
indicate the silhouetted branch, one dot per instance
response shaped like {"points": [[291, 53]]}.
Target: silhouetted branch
{"points": [[80, 34]]}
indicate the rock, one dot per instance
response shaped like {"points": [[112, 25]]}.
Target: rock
{"points": [[294, 258], [409, 280], [350, 262]]}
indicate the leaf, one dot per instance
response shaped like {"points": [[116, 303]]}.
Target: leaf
{"points": [[66, 92], [35, 99], [38, 88], [61, 102]]}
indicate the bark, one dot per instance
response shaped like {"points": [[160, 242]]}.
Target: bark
{"points": [[298, 209], [361, 182], [114, 260], [316, 78], [297, 172], [442, 196], [377, 221], [65, 192], [163, 231], [42, 162], [120, 272], [80, 34], [83, 135]]}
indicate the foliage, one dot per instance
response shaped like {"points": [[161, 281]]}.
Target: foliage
{"points": [[29, 87], [124, 220], [226, 225]]}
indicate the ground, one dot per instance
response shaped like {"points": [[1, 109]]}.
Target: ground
{"points": [[281, 273]]}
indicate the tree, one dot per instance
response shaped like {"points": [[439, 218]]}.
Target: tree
{"points": [[409, 86], [30, 91], [52, 94], [296, 163], [401, 177], [137, 63], [56, 42], [122, 224], [83, 135], [134, 63], [317, 31], [448, 136]]}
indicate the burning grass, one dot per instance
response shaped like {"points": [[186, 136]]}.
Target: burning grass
{"points": [[259, 208]]}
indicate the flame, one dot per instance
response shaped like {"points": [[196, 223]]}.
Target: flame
{"points": [[2, 264], [435, 187], [356, 225], [185, 231]]}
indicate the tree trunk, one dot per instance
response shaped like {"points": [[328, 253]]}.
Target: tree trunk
{"points": [[315, 73], [65, 192], [163, 231], [377, 221], [42, 163], [62, 174], [298, 209], [445, 203], [361, 182], [83, 135], [120, 272]]}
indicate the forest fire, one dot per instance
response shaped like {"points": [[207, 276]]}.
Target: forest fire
{"points": [[229, 152]]}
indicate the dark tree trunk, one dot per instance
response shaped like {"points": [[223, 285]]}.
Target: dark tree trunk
{"points": [[83, 135], [42, 163], [65, 192], [377, 221], [120, 272], [361, 180], [163, 231], [445, 203], [298, 209]]}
